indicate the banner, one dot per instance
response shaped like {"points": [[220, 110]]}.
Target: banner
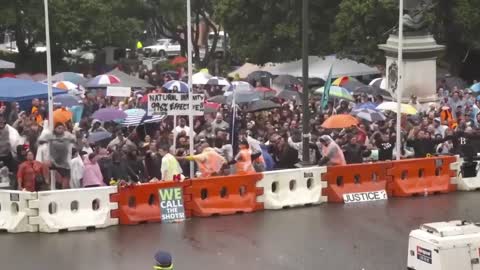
{"points": [[174, 104], [326, 89], [365, 196], [171, 204], [117, 91]]}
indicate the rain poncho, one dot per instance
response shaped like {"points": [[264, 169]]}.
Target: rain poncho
{"points": [[332, 153], [209, 162]]}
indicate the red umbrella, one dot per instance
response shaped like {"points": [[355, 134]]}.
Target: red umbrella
{"points": [[178, 60], [8, 75]]}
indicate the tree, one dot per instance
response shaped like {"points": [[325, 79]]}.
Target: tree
{"points": [[361, 25], [168, 19], [270, 30]]}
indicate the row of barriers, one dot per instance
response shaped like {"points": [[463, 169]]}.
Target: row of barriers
{"points": [[83, 209]]}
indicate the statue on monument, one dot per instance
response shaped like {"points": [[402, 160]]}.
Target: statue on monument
{"points": [[415, 18]]}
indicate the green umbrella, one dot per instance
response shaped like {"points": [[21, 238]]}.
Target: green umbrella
{"points": [[336, 92]]}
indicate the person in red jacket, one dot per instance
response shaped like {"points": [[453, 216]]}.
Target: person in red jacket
{"points": [[31, 174]]}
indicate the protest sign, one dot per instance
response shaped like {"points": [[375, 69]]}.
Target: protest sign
{"points": [[171, 204], [174, 104]]}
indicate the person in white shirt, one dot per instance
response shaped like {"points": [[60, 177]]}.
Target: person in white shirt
{"points": [[439, 128], [76, 169], [182, 127], [171, 170]]}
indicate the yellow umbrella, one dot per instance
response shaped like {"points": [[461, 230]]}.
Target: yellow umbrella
{"points": [[392, 106]]}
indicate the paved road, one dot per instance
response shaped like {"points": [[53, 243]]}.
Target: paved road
{"points": [[332, 236]]}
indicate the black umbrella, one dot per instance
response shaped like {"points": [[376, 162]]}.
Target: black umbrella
{"points": [[96, 137], [262, 105], [290, 95], [372, 90], [259, 76], [286, 80], [351, 85]]}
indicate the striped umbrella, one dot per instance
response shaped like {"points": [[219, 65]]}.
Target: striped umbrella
{"points": [[75, 78], [153, 119], [103, 81], [65, 85], [369, 115], [218, 81], [176, 86], [337, 92], [134, 117]]}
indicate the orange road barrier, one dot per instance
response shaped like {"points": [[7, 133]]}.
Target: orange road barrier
{"points": [[355, 178], [424, 176], [224, 195], [140, 203]]}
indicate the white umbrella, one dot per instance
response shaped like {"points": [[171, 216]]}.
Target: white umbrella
{"points": [[218, 81], [380, 83], [369, 115], [201, 78]]}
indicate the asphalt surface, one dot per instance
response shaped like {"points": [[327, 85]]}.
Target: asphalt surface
{"points": [[331, 236]]}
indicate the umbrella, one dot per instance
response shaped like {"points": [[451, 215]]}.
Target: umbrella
{"points": [[366, 105], [153, 119], [340, 121], [134, 117], [39, 77], [352, 85], [66, 100], [379, 82], [65, 85], [240, 86], [109, 114], [392, 106], [262, 105], [211, 107], [201, 78], [258, 75], [103, 81], [218, 81], [75, 78], [99, 136], [178, 60], [372, 90], [176, 86], [240, 97], [62, 115], [369, 115], [290, 95], [340, 81], [475, 87], [171, 73], [286, 80], [337, 92]]}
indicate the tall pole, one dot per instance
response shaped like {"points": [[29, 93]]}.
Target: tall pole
{"points": [[49, 81], [306, 108], [399, 80], [190, 96]]}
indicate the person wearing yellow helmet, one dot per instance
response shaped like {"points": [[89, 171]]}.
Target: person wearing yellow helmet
{"points": [[163, 261]]}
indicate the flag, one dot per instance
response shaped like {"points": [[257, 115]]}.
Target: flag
{"points": [[326, 92]]}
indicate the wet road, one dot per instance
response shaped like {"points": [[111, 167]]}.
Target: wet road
{"points": [[331, 236]]}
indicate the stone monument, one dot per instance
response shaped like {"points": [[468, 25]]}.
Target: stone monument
{"points": [[420, 52]]}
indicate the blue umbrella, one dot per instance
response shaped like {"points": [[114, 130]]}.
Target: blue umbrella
{"points": [[109, 114], [367, 105], [99, 136], [475, 87], [176, 86], [66, 100]]}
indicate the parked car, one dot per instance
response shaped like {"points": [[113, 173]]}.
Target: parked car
{"points": [[163, 47]]}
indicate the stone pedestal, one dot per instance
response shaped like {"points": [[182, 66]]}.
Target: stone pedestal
{"points": [[420, 54]]}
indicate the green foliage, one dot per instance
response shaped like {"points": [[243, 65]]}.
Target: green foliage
{"points": [[361, 25]]}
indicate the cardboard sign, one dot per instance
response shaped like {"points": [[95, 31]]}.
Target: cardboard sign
{"points": [[171, 204], [365, 196], [117, 91], [174, 104]]}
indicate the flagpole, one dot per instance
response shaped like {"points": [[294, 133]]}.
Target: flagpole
{"points": [[305, 100], [190, 96], [399, 81], [49, 81]]}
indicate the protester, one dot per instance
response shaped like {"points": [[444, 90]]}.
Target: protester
{"points": [[31, 174], [92, 175], [171, 170], [243, 160], [332, 154], [209, 161], [76, 169]]}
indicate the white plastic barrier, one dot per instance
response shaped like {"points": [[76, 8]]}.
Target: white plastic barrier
{"points": [[295, 187], [15, 214], [464, 183], [74, 209]]}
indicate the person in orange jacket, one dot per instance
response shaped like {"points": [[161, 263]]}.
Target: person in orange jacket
{"points": [[244, 159]]}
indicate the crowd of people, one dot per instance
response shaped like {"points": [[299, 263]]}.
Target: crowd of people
{"points": [[224, 143]]}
